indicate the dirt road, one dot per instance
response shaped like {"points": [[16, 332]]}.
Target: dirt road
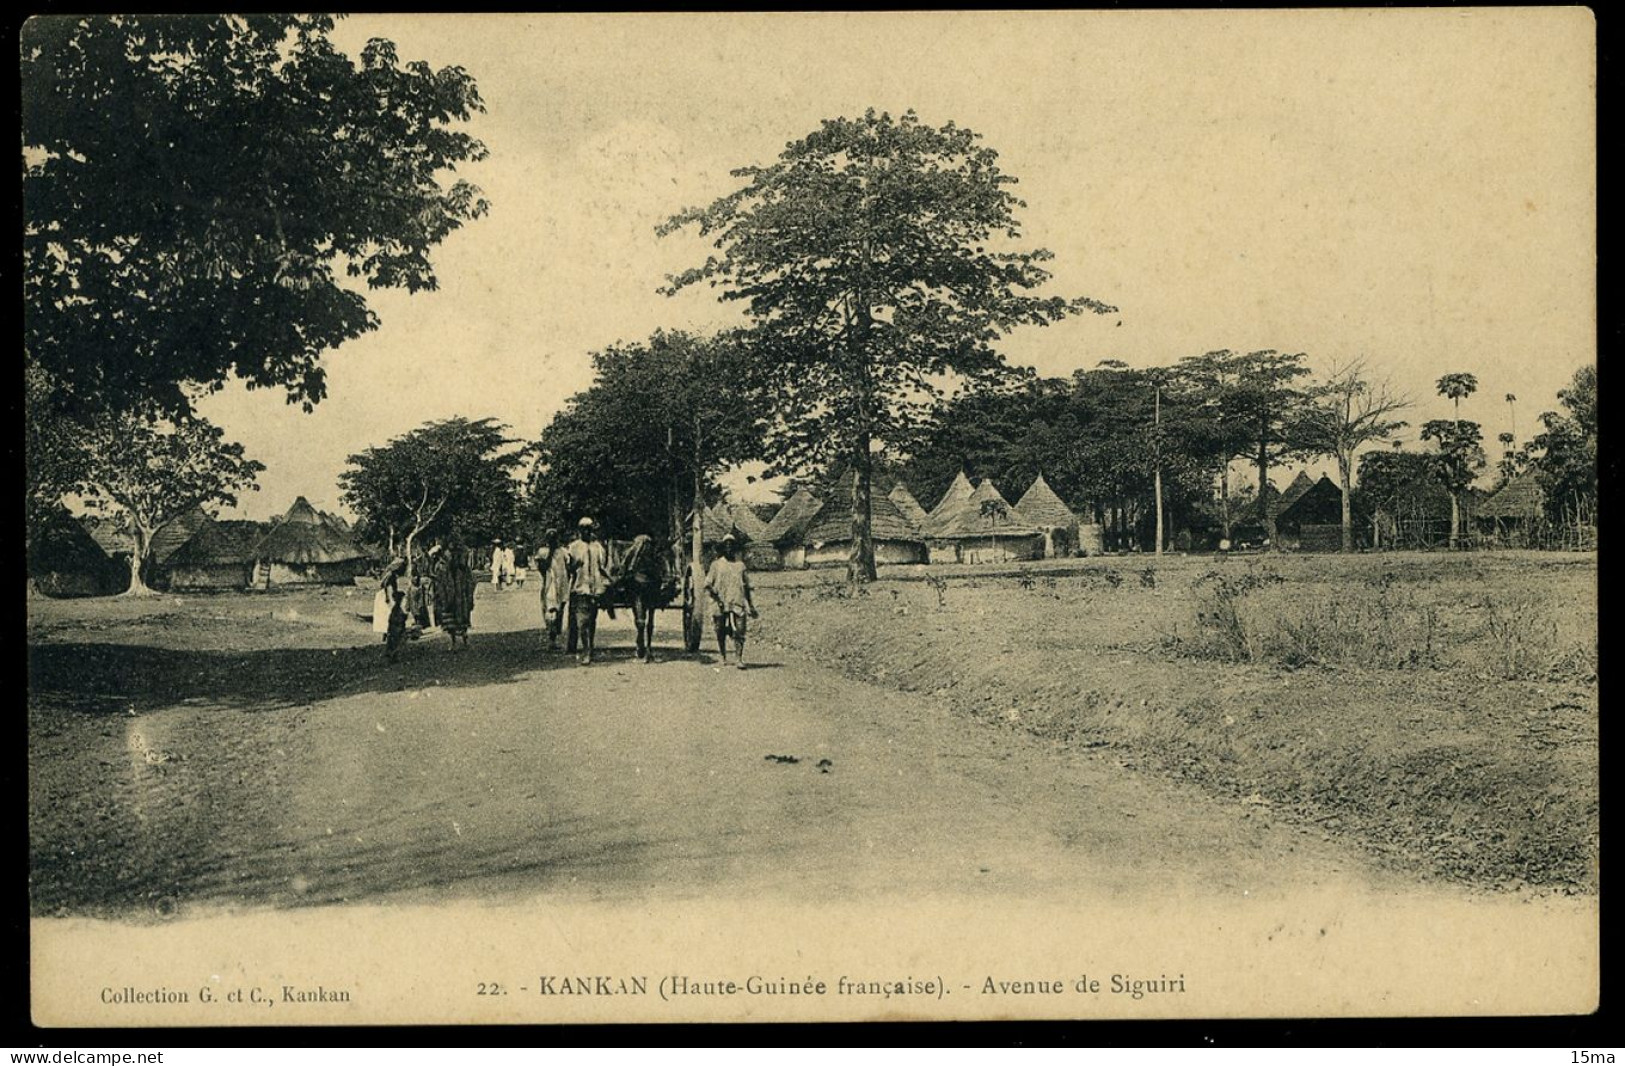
{"points": [[503, 771]]}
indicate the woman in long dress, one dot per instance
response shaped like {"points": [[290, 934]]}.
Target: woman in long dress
{"points": [[453, 590]]}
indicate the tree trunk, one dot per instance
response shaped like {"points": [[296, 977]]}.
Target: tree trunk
{"points": [[140, 564], [860, 563], [1225, 521], [1343, 466], [696, 562], [1159, 508], [1455, 520], [1266, 513], [410, 564], [1158, 479]]}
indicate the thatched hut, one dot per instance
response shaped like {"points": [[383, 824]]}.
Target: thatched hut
{"points": [[301, 549], [1512, 511], [910, 508], [959, 490], [65, 560], [1042, 508], [1300, 485], [828, 538], [787, 533], [220, 555], [119, 543], [1311, 517], [985, 529]]}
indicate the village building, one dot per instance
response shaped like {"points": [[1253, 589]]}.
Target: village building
{"points": [[221, 554], [1041, 507], [1311, 515], [985, 528], [959, 490], [787, 533], [909, 507], [65, 560], [119, 543], [828, 539], [302, 549], [1512, 513]]}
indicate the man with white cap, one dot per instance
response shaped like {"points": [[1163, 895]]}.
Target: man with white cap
{"points": [[588, 565], [728, 585]]}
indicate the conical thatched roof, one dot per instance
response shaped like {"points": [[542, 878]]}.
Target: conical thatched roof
{"points": [[910, 507], [64, 545], [1040, 506], [218, 543], [958, 492], [724, 520], [764, 511], [790, 525], [106, 533], [834, 522], [169, 538], [967, 520], [1300, 485], [743, 519], [303, 538], [1520, 497]]}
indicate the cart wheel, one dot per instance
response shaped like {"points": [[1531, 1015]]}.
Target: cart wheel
{"points": [[693, 628]]}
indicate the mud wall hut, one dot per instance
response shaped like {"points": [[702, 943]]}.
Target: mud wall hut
{"points": [[302, 549], [220, 555], [787, 533], [829, 537], [65, 560], [1041, 507], [985, 528]]}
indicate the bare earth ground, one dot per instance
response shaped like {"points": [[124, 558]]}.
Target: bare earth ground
{"points": [[1439, 712], [219, 751]]}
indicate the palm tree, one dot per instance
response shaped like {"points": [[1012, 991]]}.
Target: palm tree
{"points": [[1456, 387], [1512, 409]]}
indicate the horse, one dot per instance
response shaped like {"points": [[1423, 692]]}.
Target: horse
{"points": [[643, 580]]}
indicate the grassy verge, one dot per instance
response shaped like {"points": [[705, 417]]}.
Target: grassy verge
{"points": [[1440, 710]]}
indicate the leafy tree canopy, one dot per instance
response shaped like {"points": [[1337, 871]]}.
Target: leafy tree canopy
{"points": [[194, 185], [452, 479], [661, 418], [877, 262], [1566, 462], [153, 468]]}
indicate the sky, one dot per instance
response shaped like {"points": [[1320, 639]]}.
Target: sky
{"points": [[1414, 188]]}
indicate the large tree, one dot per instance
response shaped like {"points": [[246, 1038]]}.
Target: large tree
{"points": [[1346, 413], [1403, 494], [1217, 426], [1461, 453], [452, 479], [1458, 462], [154, 468], [878, 259], [642, 446], [196, 187], [1566, 451]]}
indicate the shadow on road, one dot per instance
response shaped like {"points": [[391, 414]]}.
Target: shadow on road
{"points": [[107, 678]]}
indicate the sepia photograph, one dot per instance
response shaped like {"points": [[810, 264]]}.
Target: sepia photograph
{"points": [[863, 516]]}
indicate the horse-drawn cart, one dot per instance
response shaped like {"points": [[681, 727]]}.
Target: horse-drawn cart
{"points": [[676, 588]]}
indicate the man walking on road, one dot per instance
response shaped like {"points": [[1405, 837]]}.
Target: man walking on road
{"points": [[729, 588], [588, 564]]}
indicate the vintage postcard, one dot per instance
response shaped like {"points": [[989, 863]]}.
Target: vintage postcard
{"points": [[784, 517]]}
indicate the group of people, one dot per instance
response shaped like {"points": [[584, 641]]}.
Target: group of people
{"points": [[443, 597], [578, 579]]}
